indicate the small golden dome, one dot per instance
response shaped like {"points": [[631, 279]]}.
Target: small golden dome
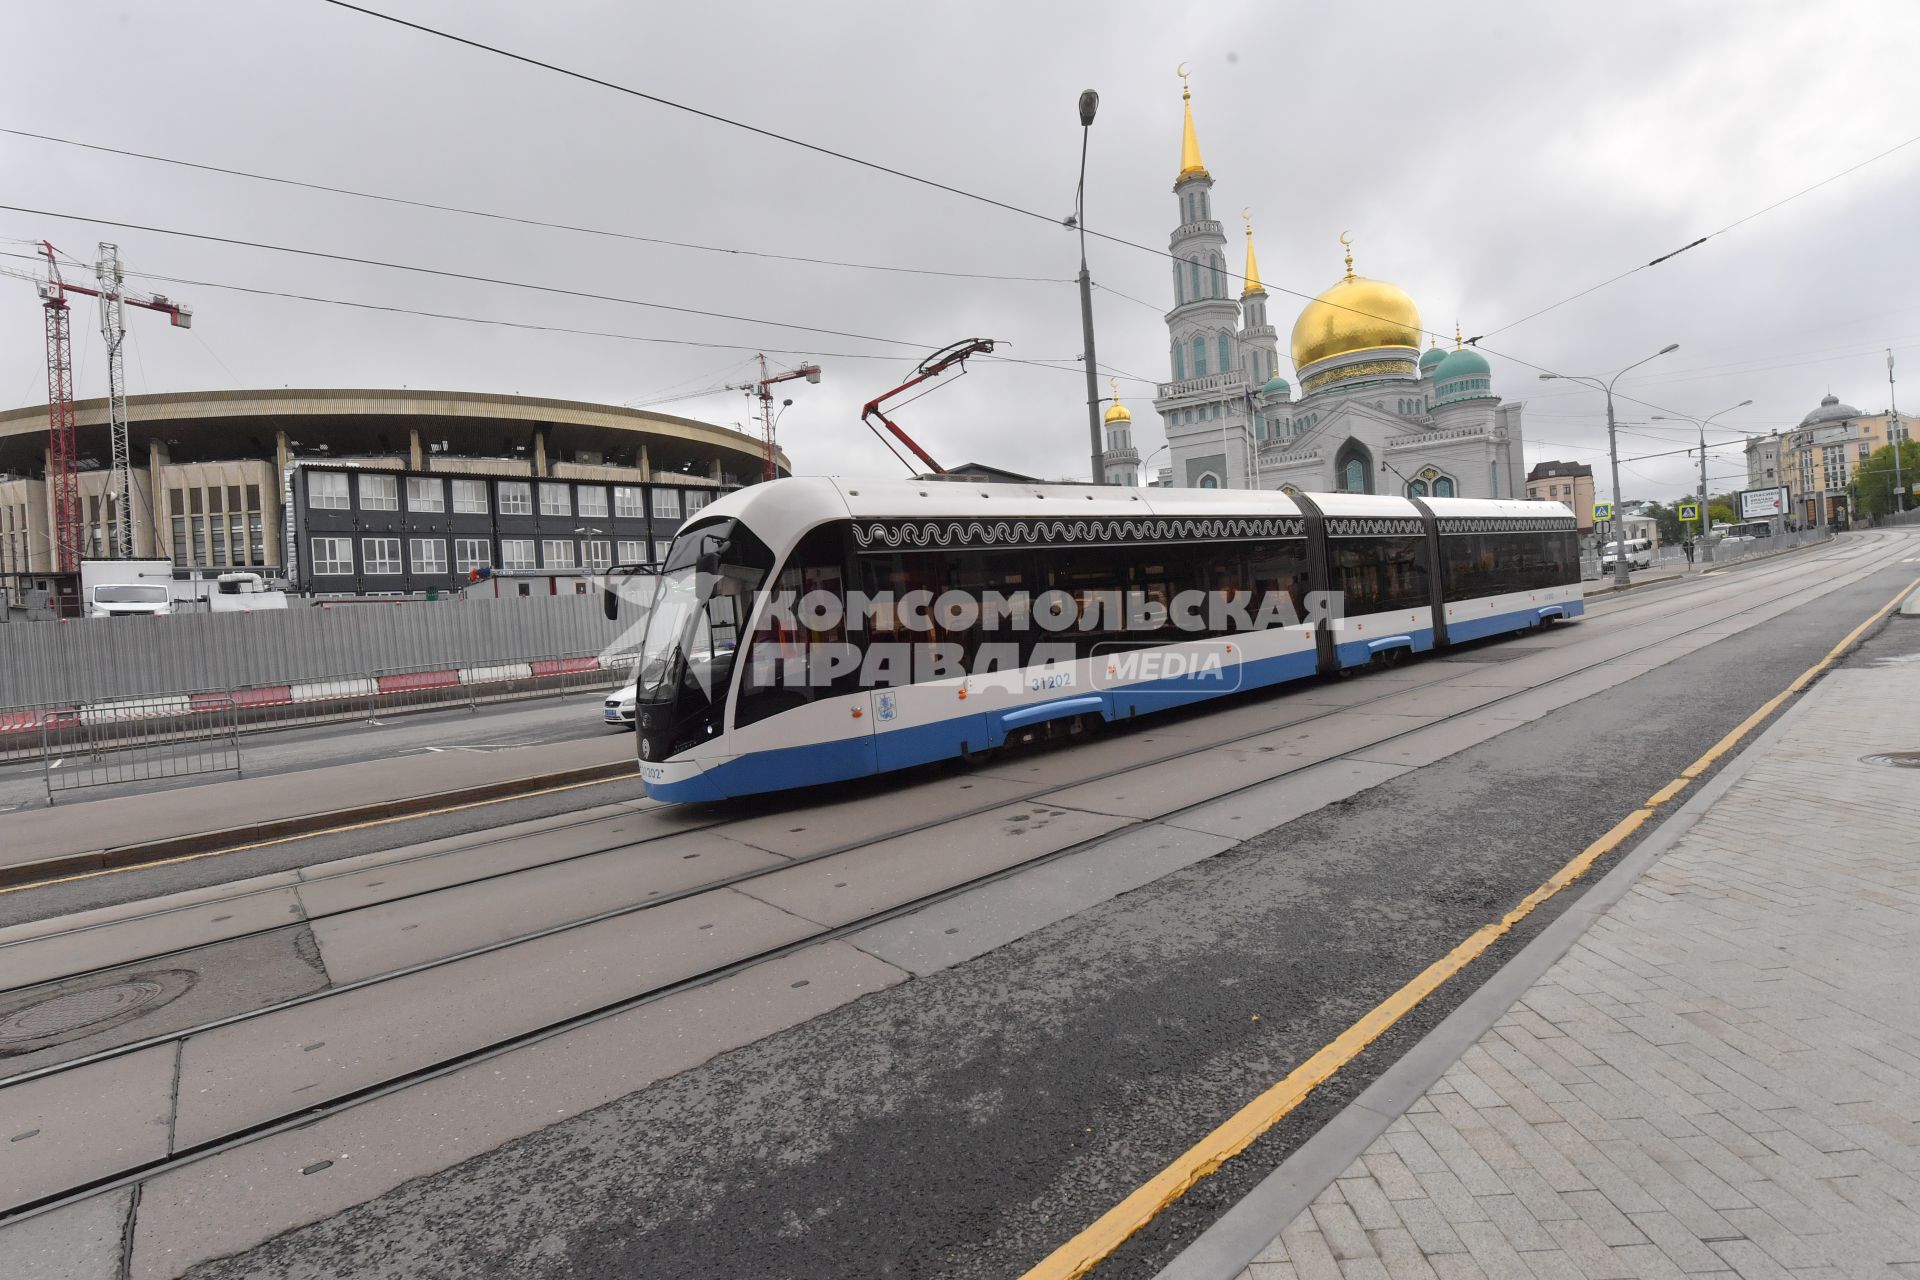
{"points": [[1356, 314], [1117, 412]]}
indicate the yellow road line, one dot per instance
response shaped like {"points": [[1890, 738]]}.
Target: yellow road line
{"points": [[1108, 1232], [307, 835]]}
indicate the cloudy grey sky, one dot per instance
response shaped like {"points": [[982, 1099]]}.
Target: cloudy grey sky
{"points": [[1489, 159]]}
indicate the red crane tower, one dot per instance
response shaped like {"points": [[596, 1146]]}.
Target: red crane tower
{"points": [[62, 447], [69, 540], [763, 388]]}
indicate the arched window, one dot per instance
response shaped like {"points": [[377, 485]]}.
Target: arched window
{"points": [[1416, 488], [1226, 353], [1179, 287], [1199, 357], [1353, 465], [1209, 481], [1443, 487], [1219, 276], [1179, 362], [1259, 425], [1193, 275]]}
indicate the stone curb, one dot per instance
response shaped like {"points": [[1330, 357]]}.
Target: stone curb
{"points": [[150, 851]]}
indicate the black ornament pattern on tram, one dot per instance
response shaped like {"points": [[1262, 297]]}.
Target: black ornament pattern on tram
{"points": [[894, 535]]}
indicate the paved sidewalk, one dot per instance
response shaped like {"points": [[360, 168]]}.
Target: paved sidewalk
{"points": [[1721, 1077], [76, 827]]}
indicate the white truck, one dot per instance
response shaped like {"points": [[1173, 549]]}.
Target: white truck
{"points": [[126, 588]]}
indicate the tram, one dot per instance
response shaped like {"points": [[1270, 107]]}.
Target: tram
{"points": [[809, 630]]}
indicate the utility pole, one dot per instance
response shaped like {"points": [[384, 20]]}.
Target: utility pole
{"points": [[1706, 548], [1893, 437], [1089, 104]]}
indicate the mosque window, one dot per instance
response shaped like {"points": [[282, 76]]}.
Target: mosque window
{"points": [[1416, 488], [1209, 481], [1353, 477], [1179, 287], [1199, 357], [1179, 362], [1259, 425], [1443, 487], [1226, 353], [1193, 276]]}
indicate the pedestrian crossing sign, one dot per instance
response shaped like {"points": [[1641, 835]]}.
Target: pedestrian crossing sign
{"points": [[1603, 511], [1689, 511]]}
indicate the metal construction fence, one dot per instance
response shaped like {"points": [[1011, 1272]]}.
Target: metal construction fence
{"points": [[137, 741], [158, 683], [103, 659]]}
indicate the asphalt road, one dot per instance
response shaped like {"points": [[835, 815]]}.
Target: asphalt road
{"points": [[967, 1123]]}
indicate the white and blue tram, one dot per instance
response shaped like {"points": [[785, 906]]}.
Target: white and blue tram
{"points": [[814, 630]]}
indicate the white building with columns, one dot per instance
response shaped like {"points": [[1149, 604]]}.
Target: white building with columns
{"points": [[1372, 414]]}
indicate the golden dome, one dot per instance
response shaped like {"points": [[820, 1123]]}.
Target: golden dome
{"points": [[1118, 412], [1356, 314]]}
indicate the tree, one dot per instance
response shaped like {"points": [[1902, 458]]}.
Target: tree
{"points": [[1720, 511], [1668, 521], [1872, 482]]}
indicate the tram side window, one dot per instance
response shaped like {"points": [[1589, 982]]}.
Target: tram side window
{"points": [[1279, 567], [801, 638], [1492, 564], [1380, 575]]}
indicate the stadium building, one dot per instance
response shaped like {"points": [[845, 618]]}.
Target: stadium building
{"points": [[221, 482]]}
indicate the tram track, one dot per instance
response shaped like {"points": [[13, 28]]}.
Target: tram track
{"points": [[1599, 611], [721, 822], [1860, 563]]}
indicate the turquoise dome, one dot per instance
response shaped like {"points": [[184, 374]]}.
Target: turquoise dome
{"points": [[1277, 386], [1460, 364], [1433, 357], [1463, 375]]}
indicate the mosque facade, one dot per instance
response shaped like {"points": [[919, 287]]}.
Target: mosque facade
{"points": [[1367, 411]]}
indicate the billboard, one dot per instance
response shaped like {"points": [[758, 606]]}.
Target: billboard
{"points": [[1763, 504]]}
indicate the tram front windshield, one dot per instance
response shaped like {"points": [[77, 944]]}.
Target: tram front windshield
{"points": [[703, 601]]}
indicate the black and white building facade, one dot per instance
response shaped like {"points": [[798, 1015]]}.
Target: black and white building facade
{"points": [[363, 531]]}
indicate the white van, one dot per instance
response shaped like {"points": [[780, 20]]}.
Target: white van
{"points": [[129, 600], [1639, 554]]}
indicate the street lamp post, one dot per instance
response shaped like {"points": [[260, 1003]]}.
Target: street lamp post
{"points": [[1146, 468], [1089, 103], [1622, 576], [1706, 547]]}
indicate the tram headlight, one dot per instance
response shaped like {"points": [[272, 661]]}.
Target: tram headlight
{"points": [[646, 748]]}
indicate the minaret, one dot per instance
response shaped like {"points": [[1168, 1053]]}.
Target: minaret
{"points": [[1203, 329], [1203, 304], [1259, 344], [1121, 461]]}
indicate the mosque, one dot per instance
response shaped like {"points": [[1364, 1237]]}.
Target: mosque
{"points": [[1372, 413]]}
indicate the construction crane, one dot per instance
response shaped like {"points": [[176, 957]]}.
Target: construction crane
{"points": [[932, 367], [762, 387], [62, 439]]}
